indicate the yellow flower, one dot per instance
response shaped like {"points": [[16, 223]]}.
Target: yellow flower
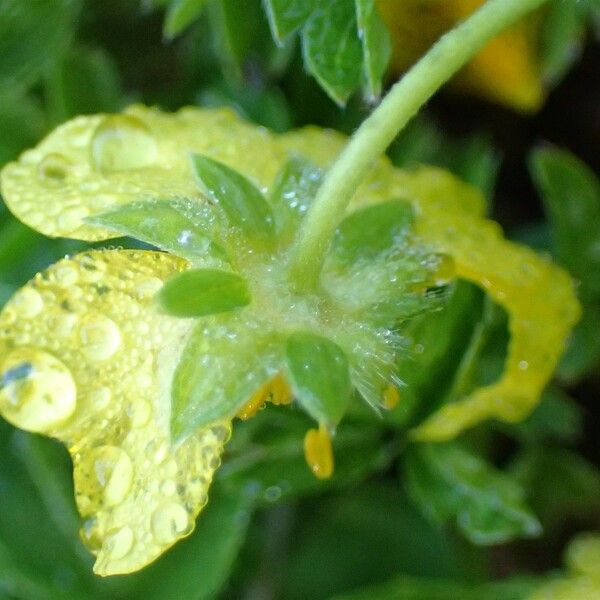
{"points": [[506, 71], [583, 581], [86, 357]]}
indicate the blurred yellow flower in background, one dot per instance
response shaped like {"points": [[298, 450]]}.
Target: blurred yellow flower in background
{"points": [[506, 71]]}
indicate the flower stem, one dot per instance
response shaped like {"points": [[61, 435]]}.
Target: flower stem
{"points": [[444, 59]]}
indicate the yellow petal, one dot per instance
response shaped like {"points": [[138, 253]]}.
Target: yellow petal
{"points": [[505, 71], [93, 163], [85, 358]]}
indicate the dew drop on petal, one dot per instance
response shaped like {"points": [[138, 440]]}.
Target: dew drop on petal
{"points": [[66, 275], [72, 218], [168, 487], [139, 412], [122, 142], [169, 522], [100, 337], [118, 543], [53, 168], [100, 398], [146, 288], [104, 478], [37, 391], [27, 303]]}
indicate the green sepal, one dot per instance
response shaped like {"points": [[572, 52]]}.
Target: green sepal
{"points": [[449, 483], [285, 16], [201, 292], [181, 14], [162, 224], [293, 191], [223, 363], [320, 377], [371, 231], [242, 202], [376, 45], [332, 51], [571, 194]]}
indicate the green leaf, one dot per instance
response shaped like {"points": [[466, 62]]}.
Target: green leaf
{"points": [[319, 374], [265, 105], [405, 587], [85, 81], [571, 194], [559, 482], [556, 418], [240, 199], [582, 355], [181, 14], [332, 51], [285, 16], [225, 361], [32, 36], [25, 569], [293, 191], [243, 43], [438, 341], [363, 536], [376, 44], [22, 123], [201, 292], [561, 39], [488, 506], [370, 231], [162, 223]]}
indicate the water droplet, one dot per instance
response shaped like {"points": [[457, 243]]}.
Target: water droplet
{"points": [[53, 168], [37, 391], [272, 493], [168, 487], [122, 142], [523, 365], [66, 275], [139, 412], [63, 325], [118, 543], [147, 287], [112, 475], [100, 398], [100, 336], [71, 218], [169, 522], [197, 488], [27, 302], [90, 534], [157, 451]]}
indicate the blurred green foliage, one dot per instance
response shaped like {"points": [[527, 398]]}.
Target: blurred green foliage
{"points": [[271, 530]]}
